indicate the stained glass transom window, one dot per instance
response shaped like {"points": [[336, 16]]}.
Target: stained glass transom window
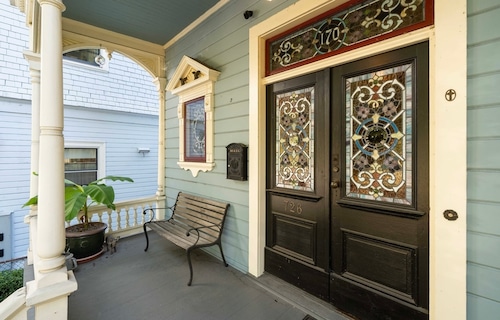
{"points": [[195, 130], [295, 140], [379, 135], [339, 31]]}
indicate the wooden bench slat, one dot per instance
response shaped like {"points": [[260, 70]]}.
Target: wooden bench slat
{"points": [[202, 218], [212, 230], [206, 201], [198, 218], [215, 213]]}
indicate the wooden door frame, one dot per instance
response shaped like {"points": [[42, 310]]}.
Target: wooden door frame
{"points": [[448, 126]]}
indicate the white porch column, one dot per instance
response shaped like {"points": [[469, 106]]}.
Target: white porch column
{"points": [[51, 235], [52, 285], [34, 64], [160, 192]]}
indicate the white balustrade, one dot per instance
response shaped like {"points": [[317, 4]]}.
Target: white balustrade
{"points": [[127, 219]]}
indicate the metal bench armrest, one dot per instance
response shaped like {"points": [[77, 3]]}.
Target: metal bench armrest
{"points": [[145, 211], [188, 232]]}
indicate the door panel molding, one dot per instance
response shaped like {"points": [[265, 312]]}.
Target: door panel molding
{"points": [[297, 234], [397, 275], [379, 208]]}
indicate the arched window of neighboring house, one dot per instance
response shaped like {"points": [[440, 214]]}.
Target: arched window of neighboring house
{"points": [[91, 57]]}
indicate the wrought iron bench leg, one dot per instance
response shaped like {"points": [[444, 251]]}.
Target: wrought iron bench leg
{"points": [[222, 254], [190, 266], [147, 238]]}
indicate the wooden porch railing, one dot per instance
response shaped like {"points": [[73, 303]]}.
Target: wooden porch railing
{"points": [[127, 219]]}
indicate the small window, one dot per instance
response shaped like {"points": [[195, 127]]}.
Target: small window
{"points": [[80, 165], [195, 130], [90, 57]]}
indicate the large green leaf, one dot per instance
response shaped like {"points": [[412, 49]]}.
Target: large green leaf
{"points": [[113, 178], [31, 201], [78, 197], [96, 192], [75, 200], [101, 194]]}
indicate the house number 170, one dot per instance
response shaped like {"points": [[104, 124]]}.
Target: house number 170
{"points": [[292, 207]]}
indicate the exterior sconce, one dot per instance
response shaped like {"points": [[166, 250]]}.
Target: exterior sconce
{"points": [[143, 151]]}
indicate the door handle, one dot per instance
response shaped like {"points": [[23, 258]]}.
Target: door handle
{"points": [[335, 184]]}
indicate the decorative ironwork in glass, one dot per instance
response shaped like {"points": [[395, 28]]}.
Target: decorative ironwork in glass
{"points": [[195, 130], [379, 135], [341, 30], [295, 140]]}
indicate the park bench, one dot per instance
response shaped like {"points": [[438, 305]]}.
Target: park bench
{"points": [[194, 222]]}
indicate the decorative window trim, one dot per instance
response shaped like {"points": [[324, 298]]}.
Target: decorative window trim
{"points": [[192, 80]]}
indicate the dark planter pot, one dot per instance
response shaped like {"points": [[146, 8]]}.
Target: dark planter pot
{"points": [[85, 244]]}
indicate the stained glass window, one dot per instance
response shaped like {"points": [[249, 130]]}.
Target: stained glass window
{"points": [[295, 140], [195, 130], [370, 20], [379, 135]]}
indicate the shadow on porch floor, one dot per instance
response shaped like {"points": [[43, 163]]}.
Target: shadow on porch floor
{"points": [[133, 284]]}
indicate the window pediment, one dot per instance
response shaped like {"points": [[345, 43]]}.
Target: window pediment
{"points": [[193, 83]]}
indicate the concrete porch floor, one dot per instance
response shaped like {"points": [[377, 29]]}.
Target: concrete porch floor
{"points": [[133, 284]]}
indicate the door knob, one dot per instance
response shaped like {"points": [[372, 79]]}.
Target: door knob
{"points": [[335, 184]]}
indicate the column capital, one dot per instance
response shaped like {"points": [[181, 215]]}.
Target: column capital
{"points": [[33, 59], [56, 3], [161, 84]]}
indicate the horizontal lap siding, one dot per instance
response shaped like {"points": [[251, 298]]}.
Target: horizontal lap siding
{"points": [[130, 120], [483, 152], [122, 133], [221, 43]]}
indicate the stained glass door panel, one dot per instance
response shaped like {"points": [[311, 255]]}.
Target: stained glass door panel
{"points": [[378, 135], [295, 140]]}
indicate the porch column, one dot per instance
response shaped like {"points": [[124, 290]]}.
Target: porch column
{"points": [[160, 192], [52, 285], [51, 237], [34, 64]]}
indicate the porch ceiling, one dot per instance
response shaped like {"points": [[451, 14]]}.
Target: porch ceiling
{"points": [[156, 21]]}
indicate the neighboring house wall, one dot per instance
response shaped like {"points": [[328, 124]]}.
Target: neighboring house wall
{"points": [[116, 108], [220, 43], [483, 152]]}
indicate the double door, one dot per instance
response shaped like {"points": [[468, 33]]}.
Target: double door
{"points": [[347, 184]]}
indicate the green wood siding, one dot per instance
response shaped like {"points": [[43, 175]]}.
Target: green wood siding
{"points": [[483, 152], [221, 43]]}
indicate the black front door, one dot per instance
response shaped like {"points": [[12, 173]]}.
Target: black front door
{"points": [[298, 232], [347, 184]]}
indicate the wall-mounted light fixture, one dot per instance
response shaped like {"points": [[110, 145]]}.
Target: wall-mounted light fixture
{"points": [[143, 151]]}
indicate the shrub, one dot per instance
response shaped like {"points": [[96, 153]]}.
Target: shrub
{"points": [[10, 281]]}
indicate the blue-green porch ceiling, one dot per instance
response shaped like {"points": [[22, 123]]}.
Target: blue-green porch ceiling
{"points": [[156, 21]]}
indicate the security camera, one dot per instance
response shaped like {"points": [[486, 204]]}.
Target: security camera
{"points": [[247, 14]]}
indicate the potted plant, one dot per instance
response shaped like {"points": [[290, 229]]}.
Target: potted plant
{"points": [[85, 240]]}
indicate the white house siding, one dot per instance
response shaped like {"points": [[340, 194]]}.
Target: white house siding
{"points": [[221, 43], [117, 107], [483, 223]]}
